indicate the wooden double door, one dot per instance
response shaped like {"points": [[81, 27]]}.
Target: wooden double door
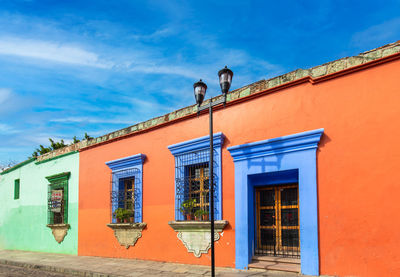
{"points": [[277, 221]]}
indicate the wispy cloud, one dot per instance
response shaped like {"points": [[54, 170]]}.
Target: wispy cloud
{"points": [[165, 69], [43, 138], [79, 119], [51, 51], [386, 31], [7, 129], [5, 94], [160, 33], [100, 76]]}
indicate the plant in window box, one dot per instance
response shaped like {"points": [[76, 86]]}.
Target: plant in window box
{"points": [[205, 215], [122, 215], [198, 214], [201, 215], [131, 216], [187, 208]]}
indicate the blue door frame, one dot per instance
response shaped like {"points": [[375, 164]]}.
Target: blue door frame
{"points": [[278, 160]]}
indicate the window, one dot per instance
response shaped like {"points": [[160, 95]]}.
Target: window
{"points": [[16, 189], [198, 187], [58, 198], [126, 189], [192, 197], [124, 195]]}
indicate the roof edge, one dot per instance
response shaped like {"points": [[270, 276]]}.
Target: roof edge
{"points": [[315, 74], [21, 164]]}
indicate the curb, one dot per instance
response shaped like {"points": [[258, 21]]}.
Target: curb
{"points": [[57, 269]]}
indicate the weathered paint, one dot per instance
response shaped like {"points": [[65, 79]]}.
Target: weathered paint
{"points": [[356, 169], [23, 221]]}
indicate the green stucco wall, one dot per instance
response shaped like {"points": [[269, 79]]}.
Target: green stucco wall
{"points": [[23, 221]]}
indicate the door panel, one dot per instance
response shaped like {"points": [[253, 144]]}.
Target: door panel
{"points": [[277, 217]]}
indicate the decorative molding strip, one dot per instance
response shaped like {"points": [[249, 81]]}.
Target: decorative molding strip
{"points": [[59, 231], [126, 162], [196, 144], [58, 177], [196, 235], [127, 234], [280, 145]]}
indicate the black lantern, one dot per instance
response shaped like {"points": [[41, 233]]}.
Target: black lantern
{"points": [[225, 79], [200, 89]]}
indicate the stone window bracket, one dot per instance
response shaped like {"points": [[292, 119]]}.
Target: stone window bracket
{"points": [[127, 234], [196, 235], [59, 231]]}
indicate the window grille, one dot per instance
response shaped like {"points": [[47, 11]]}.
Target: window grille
{"points": [[125, 193], [57, 199], [192, 199], [277, 218]]}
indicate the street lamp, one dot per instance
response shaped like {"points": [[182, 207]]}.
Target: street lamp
{"points": [[225, 79]]}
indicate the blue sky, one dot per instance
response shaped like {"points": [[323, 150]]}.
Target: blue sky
{"points": [[70, 67]]}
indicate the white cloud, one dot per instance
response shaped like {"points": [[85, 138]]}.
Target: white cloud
{"points": [[7, 129], [161, 33], [78, 119], [5, 94], [183, 71], [386, 31], [50, 51]]}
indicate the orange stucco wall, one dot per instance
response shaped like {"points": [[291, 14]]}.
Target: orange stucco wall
{"points": [[357, 165]]}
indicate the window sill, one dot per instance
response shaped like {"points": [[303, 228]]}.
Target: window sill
{"points": [[179, 226], [196, 235], [127, 234], [59, 231]]}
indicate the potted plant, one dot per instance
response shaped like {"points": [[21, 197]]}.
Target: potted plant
{"points": [[201, 215], [205, 215], [187, 208], [198, 215], [131, 216]]}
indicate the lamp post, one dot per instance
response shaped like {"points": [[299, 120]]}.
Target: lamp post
{"points": [[225, 79]]}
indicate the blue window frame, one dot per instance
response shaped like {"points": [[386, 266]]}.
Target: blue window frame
{"points": [[126, 186], [191, 173]]}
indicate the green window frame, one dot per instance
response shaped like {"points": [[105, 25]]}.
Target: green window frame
{"points": [[16, 188], [58, 182]]}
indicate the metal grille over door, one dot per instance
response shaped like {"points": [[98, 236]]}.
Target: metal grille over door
{"points": [[277, 220]]}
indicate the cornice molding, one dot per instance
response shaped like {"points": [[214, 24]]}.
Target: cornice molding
{"points": [[58, 177], [126, 162], [196, 144], [279, 145]]}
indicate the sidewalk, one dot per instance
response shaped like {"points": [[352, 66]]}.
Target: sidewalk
{"points": [[102, 267]]}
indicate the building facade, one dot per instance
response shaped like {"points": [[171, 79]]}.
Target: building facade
{"points": [[304, 169], [29, 219]]}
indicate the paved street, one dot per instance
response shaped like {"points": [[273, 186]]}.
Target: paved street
{"points": [[17, 271], [24, 263]]}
